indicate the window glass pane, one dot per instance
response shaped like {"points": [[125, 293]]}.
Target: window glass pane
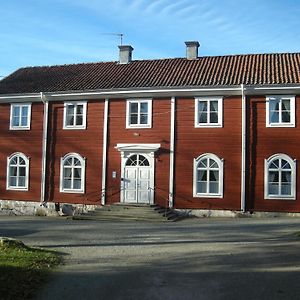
{"points": [[21, 161], [274, 164], [201, 187], [202, 175], [214, 106], [212, 163], [77, 184], [213, 175], [213, 117], [16, 121], [70, 109], [70, 120], [273, 176], [68, 162], [273, 189], [14, 160], [21, 181], [133, 119], [22, 171], [214, 187], [16, 111], [144, 107], [77, 162], [67, 184], [286, 117], [286, 177], [286, 189], [285, 105], [12, 171], [144, 119], [24, 111], [285, 165], [203, 117], [79, 120], [203, 163], [12, 181], [67, 172], [133, 107], [79, 109], [24, 121], [77, 173], [274, 117], [202, 106]]}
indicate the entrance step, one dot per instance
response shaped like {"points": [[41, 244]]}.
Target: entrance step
{"points": [[130, 212]]}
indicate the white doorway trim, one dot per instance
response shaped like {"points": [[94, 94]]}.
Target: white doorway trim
{"points": [[128, 150]]}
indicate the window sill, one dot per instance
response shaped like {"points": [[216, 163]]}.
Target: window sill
{"points": [[208, 196], [286, 198], [208, 125], [72, 191], [75, 128], [17, 189], [19, 128], [281, 125], [138, 126]]}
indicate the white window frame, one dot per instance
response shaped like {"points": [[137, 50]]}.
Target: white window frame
{"points": [[220, 112], [26, 159], [292, 108], [82, 161], [292, 163], [220, 163], [75, 103], [20, 127], [139, 101]]}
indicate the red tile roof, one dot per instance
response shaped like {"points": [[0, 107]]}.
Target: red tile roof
{"points": [[178, 72]]}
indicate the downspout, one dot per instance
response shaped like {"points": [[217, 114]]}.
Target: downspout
{"points": [[172, 148], [243, 162], [44, 149], [104, 152]]}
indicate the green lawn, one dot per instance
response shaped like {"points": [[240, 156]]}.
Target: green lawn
{"points": [[23, 269]]}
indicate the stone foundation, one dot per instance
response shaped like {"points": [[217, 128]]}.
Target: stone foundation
{"points": [[27, 208]]}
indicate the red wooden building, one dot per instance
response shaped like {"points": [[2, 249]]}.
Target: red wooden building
{"points": [[214, 133]]}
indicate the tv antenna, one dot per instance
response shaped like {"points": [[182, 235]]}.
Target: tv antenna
{"points": [[120, 35]]}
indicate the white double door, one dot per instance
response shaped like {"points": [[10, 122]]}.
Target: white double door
{"points": [[138, 180]]}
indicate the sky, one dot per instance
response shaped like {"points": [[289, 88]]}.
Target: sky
{"points": [[54, 32]]}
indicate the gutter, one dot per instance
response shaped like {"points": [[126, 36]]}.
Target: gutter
{"points": [[243, 154], [44, 149]]}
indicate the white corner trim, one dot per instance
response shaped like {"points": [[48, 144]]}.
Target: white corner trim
{"points": [[243, 154], [172, 152], [104, 151]]}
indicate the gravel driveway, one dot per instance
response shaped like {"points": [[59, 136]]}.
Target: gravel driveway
{"points": [[194, 259]]}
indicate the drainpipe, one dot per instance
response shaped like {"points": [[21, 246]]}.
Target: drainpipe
{"points": [[104, 152], [243, 162], [44, 149], [172, 148]]}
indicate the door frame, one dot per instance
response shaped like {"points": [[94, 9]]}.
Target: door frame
{"points": [[148, 150]]}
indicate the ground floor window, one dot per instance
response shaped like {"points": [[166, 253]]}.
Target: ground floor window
{"points": [[72, 175], [280, 176], [208, 176]]}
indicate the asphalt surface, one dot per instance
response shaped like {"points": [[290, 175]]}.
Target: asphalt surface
{"points": [[196, 259]]}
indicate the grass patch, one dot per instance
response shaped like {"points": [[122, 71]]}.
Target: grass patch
{"points": [[297, 234], [23, 269]]}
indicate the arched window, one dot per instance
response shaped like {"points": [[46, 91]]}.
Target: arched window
{"points": [[72, 173], [280, 177], [137, 160], [17, 172], [208, 176]]}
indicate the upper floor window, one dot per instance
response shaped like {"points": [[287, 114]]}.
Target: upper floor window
{"points": [[72, 173], [139, 113], [280, 177], [20, 115], [208, 176], [17, 172], [75, 115], [209, 112], [280, 111]]}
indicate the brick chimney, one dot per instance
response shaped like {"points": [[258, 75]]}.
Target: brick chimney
{"points": [[192, 49], [125, 55]]}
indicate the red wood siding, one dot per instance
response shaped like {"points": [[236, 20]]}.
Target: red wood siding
{"points": [[88, 143], [28, 142], [224, 142], [159, 133], [264, 142]]}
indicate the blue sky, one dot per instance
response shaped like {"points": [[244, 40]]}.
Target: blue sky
{"points": [[48, 32]]}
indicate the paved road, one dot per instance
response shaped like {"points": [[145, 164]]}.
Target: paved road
{"points": [[195, 259]]}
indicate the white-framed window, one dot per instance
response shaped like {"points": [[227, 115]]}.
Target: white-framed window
{"points": [[208, 176], [72, 173], [280, 177], [208, 112], [17, 172], [20, 116], [75, 115], [139, 113], [280, 111]]}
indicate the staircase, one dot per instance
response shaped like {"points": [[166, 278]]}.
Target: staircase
{"points": [[130, 212]]}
